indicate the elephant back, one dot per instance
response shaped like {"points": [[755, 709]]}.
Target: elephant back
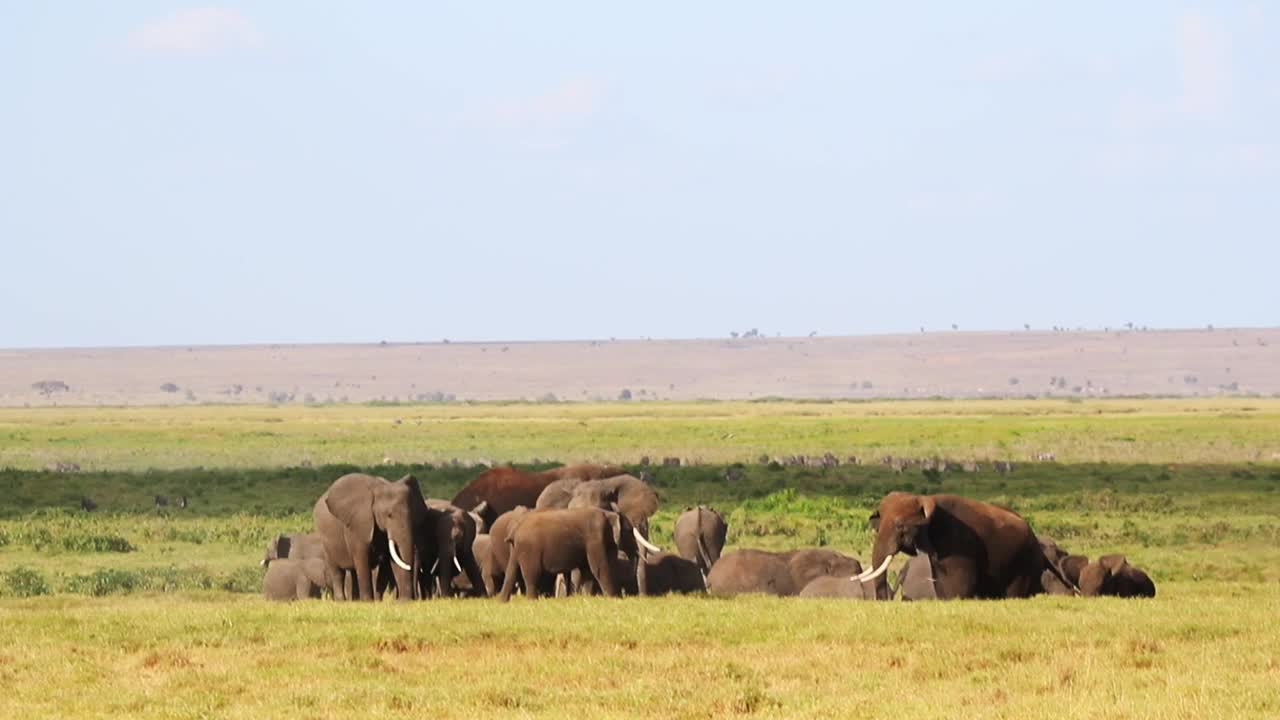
{"points": [[751, 571]]}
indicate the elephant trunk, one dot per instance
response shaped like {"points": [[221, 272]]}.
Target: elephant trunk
{"points": [[886, 548], [402, 571]]}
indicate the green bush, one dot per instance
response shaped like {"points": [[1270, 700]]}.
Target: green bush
{"points": [[104, 581], [23, 581]]}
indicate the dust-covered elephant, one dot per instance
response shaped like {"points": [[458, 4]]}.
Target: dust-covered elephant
{"points": [[550, 542], [976, 549], [295, 546], [776, 573], [362, 517], [700, 536]]}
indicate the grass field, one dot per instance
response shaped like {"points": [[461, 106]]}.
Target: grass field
{"points": [[138, 612], [1222, 430]]}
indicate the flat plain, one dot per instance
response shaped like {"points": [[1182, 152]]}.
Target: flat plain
{"points": [[153, 612]]}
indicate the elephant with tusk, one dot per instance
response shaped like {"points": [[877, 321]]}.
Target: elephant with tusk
{"points": [[361, 517], [545, 543], [975, 549]]}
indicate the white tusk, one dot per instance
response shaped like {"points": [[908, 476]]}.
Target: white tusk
{"points": [[645, 543], [455, 564], [873, 574], [434, 565], [395, 556]]}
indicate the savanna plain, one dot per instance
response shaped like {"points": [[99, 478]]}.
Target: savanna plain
{"points": [[142, 611]]}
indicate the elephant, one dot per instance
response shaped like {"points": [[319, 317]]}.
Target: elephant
{"points": [[1113, 575], [836, 586], [700, 536], [548, 542], [295, 546], [664, 573], [1071, 567], [502, 489], [976, 549], [626, 494], [295, 579], [915, 580], [361, 515], [447, 538], [493, 563], [1056, 556], [776, 573]]}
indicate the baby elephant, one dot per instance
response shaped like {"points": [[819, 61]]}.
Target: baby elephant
{"points": [[1113, 575], [839, 586], [288, 579]]}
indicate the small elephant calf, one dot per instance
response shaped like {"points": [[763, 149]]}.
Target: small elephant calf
{"points": [[288, 579], [663, 573], [1113, 575]]}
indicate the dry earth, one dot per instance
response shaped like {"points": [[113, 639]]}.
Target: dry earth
{"points": [[952, 364]]}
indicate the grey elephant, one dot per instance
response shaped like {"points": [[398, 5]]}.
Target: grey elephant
{"points": [[837, 586], [663, 573], [916, 580], [362, 519], [295, 546], [700, 536], [549, 542], [446, 539], [776, 573], [1113, 575], [292, 579]]}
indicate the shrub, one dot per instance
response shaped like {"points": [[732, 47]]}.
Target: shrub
{"points": [[169, 387], [104, 581], [23, 581]]}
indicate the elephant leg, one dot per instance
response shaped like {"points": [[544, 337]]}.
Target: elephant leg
{"points": [[336, 576], [531, 571], [955, 577], [364, 576], [602, 569]]}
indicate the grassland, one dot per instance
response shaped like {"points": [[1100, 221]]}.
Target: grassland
{"points": [[136, 611], [1221, 430]]}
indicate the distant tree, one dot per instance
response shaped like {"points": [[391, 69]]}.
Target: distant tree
{"points": [[1026, 326], [955, 326], [1014, 381], [548, 398], [866, 385], [169, 387], [813, 333], [625, 394], [49, 387], [734, 334], [191, 395]]}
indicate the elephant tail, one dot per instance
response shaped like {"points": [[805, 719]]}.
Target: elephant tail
{"points": [[509, 583]]}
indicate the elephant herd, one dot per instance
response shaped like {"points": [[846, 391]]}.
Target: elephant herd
{"points": [[585, 529]]}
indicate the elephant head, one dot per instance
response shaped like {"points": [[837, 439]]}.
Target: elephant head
{"points": [[276, 549], [1113, 575], [634, 498], [446, 540], [379, 515], [628, 542], [901, 525]]}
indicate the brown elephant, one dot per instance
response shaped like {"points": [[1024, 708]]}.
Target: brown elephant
{"points": [[493, 563], [976, 549], [362, 519], [700, 536], [663, 573], [502, 489], [1057, 556], [776, 573], [1113, 575], [549, 542], [295, 579]]}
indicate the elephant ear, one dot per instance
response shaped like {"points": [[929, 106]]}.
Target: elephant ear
{"points": [[351, 501], [1113, 563], [283, 545], [874, 521]]}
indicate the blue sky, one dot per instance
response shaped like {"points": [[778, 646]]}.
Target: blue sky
{"points": [[311, 172]]}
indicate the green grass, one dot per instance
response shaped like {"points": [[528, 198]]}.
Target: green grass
{"points": [[131, 611], [1217, 430]]}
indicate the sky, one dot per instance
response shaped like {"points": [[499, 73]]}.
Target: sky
{"points": [[174, 173]]}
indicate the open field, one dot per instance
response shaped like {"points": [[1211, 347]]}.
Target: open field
{"points": [[1199, 362], [136, 611], [1207, 430]]}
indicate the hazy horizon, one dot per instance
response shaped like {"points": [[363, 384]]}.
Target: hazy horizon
{"points": [[238, 173]]}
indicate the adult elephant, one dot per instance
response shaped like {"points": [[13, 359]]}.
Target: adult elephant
{"points": [[550, 542], [776, 573], [1113, 575], [494, 553], [663, 573], [700, 536], [446, 539], [976, 549], [627, 494], [503, 489], [295, 579], [362, 516], [915, 581], [295, 546]]}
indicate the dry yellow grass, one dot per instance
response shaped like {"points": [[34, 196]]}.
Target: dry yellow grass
{"points": [[1197, 651]]}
